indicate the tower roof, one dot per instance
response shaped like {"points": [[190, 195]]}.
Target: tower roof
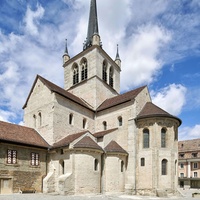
{"points": [[117, 54], [92, 24]]}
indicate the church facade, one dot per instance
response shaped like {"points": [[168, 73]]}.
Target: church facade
{"points": [[97, 140]]}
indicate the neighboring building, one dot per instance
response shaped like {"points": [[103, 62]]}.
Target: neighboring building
{"points": [[23, 155], [101, 141], [189, 163]]}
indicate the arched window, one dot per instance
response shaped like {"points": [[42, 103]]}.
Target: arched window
{"points": [[111, 77], [122, 166], [71, 117], [96, 165], [175, 166], [62, 167], [34, 121], [40, 118], [104, 125], [84, 70], [120, 121], [84, 123], [104, 71], [75, 74], [142, 162], [164, 167], [163, 137], [146, 138]]}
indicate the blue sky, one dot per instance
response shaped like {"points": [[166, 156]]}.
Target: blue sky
{"points": [[159, 45]]}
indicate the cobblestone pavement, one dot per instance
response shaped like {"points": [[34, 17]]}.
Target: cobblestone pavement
{"points": [[187, 194]]}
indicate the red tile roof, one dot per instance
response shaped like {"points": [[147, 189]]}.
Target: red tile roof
{"points": [[189, 145], [151, 110], [67, 140], [21, 135], [102, 133], [87, 142], [58, 90], [114, 147], [128, 96]]}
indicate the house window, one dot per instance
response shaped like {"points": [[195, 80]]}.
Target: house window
{"points": [[194, 155], [195, 165], [75, 74], [34, 159], [195, 174], [71, 118], [120, 121], [146, 138], [122, 166], [84, 70], [104, 125], [111, 77], [163, 138], [181, 175], [84, 123], [96, 164], [181, 165], [164, 167], [181, 155], [104, 71], [12, 156], [142, 162]]}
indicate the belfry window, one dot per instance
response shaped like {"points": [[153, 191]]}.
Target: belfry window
{"points": [[146, 138], [164, 167], [84, 70], [111, 83], [75, 74], [104, 72], [163, 137]]}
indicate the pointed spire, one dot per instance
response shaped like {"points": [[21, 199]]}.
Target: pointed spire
{"points": [[66, 50], [66, 56], [117, 59], [117, 55], [93, 29]]}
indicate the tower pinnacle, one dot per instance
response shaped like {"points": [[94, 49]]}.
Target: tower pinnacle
{"points": [[93, 37], [66, 56], [117, 59]]}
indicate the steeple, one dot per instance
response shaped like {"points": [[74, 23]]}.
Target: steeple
{"points": [[66, 56], [93, 37], [117, 59]]}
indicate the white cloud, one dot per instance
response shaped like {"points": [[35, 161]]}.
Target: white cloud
{"points": [[141, 55], [188, 133], [171, 98], [32, 18]]}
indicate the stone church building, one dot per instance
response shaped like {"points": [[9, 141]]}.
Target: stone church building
{"points": [[87, 137]]}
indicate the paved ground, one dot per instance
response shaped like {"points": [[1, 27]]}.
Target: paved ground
{"points": [[187, 195]]}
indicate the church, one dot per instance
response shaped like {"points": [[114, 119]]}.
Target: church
{"points": [[88, 138]]}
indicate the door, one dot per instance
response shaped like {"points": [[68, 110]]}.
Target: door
{"points": [[5, 186]]}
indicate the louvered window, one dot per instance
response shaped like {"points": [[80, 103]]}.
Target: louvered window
{"points": [[34, 159], [12, 156]]}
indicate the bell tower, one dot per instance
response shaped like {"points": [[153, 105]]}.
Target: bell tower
{"points": [[92, 74]]}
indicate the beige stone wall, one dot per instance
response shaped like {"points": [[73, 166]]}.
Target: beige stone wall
{"points": [[87, 180], [93, 90], [114, 173], [155, 154], [22, 175]]}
